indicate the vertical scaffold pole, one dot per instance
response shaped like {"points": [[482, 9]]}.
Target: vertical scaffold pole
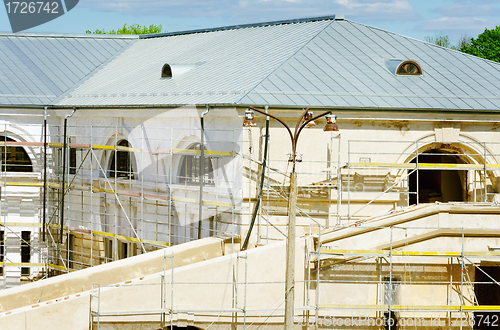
{"points": [[64, 173], [348, 180], [485, 175], [115, 241], [92, 227], [142, 185], [44, 174], [462, 279], [170, 180]]}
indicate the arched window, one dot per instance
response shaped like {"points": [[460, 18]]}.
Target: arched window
{"points": [[125, 160], [190, 168], [409, 68], [14, 159]]}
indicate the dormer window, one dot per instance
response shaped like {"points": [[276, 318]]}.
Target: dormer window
{"points": [[409, 68], [166, 71], [403, 67]]}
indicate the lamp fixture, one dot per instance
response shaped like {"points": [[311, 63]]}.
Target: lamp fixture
{"points": [[249, 121], [309, 115], [331, 125]]}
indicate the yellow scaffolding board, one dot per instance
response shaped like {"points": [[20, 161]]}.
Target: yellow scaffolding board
{"points": [[120, 148], [93, 232], [385, 253], [412, 166], [449, 308]]}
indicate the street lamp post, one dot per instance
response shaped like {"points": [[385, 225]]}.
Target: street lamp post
{"points": [[308, 118]]}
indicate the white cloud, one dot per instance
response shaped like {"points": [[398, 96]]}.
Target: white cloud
{"points": [[467, 10], [244, 11], [458, 24], [392, 10], [455, 27]]}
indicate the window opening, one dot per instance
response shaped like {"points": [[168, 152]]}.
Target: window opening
{"points": [[190, 168], [487, 293], [25, 251], [166, 71], [123, 250], [14, 159], [72, 161], [124, 160], [409, 68]]}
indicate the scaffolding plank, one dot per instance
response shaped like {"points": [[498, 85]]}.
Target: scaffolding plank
{"points": [[451, 308], [343, 252], [424, 166]]}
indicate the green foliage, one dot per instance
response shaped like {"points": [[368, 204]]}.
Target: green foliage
{"points": [[486, 45], [132, 29], [440, 39], [443, 40], [464, 41]]}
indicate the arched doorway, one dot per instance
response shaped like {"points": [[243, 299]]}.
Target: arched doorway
{"points": [[435, 185]]}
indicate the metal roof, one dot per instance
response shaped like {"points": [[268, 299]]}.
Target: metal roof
{"points": [[225, 65], [36, 69], [345, 67], [318, 62]]}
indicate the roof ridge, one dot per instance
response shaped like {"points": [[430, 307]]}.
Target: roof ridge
{"points": [[291, 56], [243, 26]]}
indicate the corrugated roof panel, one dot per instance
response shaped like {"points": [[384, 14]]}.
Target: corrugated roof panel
{"points": [[496, 102], [65, 65], [84, 51], [80, 58], [433, 102], [472, 103], [392, 102], [49, 59], [311, 100], [41, 71], [69, 59], [379, 102], [485, 103], [459, 104], [221, 62], [317, 62], [36, 69], [298, 99]]}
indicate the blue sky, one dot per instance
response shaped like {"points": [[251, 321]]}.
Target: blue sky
{"points": [[413, 18]]}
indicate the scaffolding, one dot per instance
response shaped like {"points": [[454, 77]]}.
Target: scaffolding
{"points": [[394, 288], [132, 191], [128, 196]]}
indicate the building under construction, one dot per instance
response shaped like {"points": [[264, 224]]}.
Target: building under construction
{"points": [[133, 197]]}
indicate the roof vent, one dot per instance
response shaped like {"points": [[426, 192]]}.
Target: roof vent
{"points": [[403, 67], [339, 17], [166, 71]]}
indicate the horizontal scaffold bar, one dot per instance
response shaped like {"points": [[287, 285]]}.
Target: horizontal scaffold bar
{"points": [[33, 264], [122, 192], [427, 166], [86, 231], [384, 253], [450, 308], [120, 148]]}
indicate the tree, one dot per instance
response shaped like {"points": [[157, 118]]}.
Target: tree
{"points": [[132, 29], [440, 39], [486, 45]]}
